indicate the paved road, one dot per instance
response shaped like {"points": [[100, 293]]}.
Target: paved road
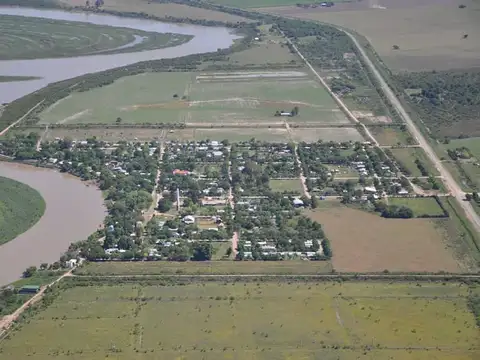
{"points": [[450, 182]]}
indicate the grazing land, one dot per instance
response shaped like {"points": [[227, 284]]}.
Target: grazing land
{"points": [[391, 136], [204, 268], [285, 320], [163, 10], [406, 157], [364, 242], [429, 34], [32, 38], [234, 98], [20, 208], [419, 206]]}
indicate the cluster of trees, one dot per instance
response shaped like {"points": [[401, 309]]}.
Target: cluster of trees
{"points": [[393, 211], [473, 197], [459, 153], [444, 99], [293, 112]]}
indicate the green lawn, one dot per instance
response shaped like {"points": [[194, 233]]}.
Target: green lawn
{"points": [[391, 136], [293, 185], [250, 320], [420, 206], [20, 208], [407, 157], [473, 144], [32, 38]]}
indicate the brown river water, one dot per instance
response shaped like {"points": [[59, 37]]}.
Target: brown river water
{"points": [[74, 211]]}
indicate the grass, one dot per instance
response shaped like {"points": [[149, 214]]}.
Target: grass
{"points": [[429, 34], [419, 206], [472, 144], [407, 157], [268, 320], [17, 78], [208, 99], [162, 10], [391, 136], [326, 134], [212, 267], [293, 185], [366, 242], [220, 250], [33, 38], [20, 208], [262, 3]]}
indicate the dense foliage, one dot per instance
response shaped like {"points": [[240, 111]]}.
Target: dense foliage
{"points": [[20, 208]]}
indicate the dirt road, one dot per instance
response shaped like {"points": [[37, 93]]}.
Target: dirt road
{"points": [[7, 321], [4, 131], [449, 181]]}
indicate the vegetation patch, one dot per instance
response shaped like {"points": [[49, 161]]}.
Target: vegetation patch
{"points": [[210, 317], [421, 207], [293, 186], [392, 136], [32, 38], [20, 208], [413, 162]]}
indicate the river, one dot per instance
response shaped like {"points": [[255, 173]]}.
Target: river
{"points": [[206, 39], [74, 211]]}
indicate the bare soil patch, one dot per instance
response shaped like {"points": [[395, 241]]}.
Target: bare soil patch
{"points": [[364, 242]]}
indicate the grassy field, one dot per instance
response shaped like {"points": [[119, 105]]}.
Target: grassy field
{"points": [[33, 38], [326, 134], [390, 136], [162, 10], [196, 268], [364, 242], [286, 185], [472, 144], [201, 99], [420, 206], [407, 157], [268, 320], [428, 33], [20, 208]]}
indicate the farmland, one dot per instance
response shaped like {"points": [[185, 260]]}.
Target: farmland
{"points": [[284, 320], [378, 243], [20, 208], [32, 38], [201, 99], [428, 34]]}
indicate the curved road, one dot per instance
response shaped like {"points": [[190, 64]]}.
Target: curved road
{"points": [[449, 181]]}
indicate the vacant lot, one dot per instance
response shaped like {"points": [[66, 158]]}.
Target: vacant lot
{"points": [[32, 38], [429, 33], [298, 320], [234, 98], [472, 144], [326, 134], [163, 10], [212, 267], [407, 157], [391, 136], [365, 242], [286, 185], [420, 206], [20, 208]]}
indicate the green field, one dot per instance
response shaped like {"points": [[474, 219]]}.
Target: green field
{"points": [[419, 206], [472, 144], [267, 320], [391, 136], [33, 38], [286, 185], [20, 208], [235, 98], [407, 157], [198, 268]]}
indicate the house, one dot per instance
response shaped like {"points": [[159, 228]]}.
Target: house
{"points": [[284, 113], [402, 191], [180, 172], [370, 189], [71, 263], [217, 154], [297, 203], [189, 219]]}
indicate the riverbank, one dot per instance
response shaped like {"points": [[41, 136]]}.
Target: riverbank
{"points": [[74, 211]]}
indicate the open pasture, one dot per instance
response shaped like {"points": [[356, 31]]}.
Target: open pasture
{"points": [[419, 206], [391, 136], [268, 320], [286, 185], [429, 33], [201, 99], [407, 157], [326, 134], [365, 242]]}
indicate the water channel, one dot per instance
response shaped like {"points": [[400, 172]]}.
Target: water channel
{"points": [[75, 210]]}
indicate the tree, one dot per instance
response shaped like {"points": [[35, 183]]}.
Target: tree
{"points": [[468, 197], [44, 266], [396, 47], [164, 205], [228, 252], [461, 6], [119, 120], [465, 36], [202, 251], [30, 271], [87, 3], [314, 202]]}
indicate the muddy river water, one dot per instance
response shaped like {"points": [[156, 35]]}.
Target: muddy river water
{"points": [[75, 210]]}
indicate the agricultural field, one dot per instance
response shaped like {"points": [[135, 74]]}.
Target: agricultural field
{"points": [[429, 34], [202, 99], [285, 320], [20, 208], [391, 136], [407, 157], [163, 10], [420, 206], [32, 38], [413, 245]]}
